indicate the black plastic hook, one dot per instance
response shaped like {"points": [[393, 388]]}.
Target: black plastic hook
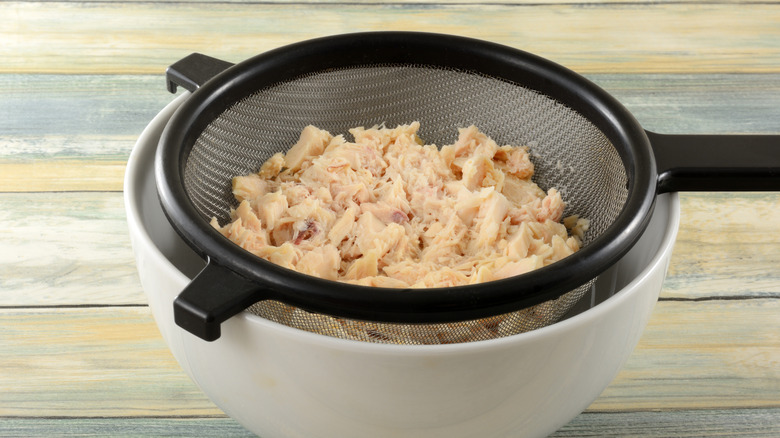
{"points": [[193, 71], [211, 298]]}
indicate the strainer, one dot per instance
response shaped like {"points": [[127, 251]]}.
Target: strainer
{"points": [[583, 142]]}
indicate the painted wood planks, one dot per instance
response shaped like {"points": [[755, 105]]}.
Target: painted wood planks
{"points": [[80, 80]]}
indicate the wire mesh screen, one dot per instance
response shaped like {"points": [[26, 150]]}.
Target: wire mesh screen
{"points": [[568, 153]]}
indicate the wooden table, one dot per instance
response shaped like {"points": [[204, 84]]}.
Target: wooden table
{"points": [[79, 352]]}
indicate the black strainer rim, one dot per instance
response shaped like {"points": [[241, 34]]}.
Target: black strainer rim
{"points": [[257, 279]]}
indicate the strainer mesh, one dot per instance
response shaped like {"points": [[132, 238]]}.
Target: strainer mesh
{"points": [[568, 151]]}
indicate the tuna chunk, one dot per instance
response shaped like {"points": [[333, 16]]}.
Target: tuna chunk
{"points": [[322, 261], [310, 144]]}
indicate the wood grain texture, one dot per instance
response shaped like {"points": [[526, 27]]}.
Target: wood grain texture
{"points": [[91, 362], [577, 3], [76, 112], [66, 249], [111, 362], [729, 103], [702, 355], [756, 423], [728, 246], [124, 427], [73, 248], [75, 132], [62, 116], [43, 175], [81, 355], [121, 38]]}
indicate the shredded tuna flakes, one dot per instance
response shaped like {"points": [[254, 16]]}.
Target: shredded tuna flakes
{"points": [[391, 211]]}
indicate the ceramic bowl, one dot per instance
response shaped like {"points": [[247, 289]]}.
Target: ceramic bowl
{"points": [[281, 382]]}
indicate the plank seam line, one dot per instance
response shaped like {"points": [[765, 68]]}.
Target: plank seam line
{"points": [[51, 192], [768, 407], [100, 306], [408, 4], [69, 306], [222, 416], [771, 296], [105, 417]]}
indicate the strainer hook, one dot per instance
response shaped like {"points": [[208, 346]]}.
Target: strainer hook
{"points": [[193, 71], [211, 298]]}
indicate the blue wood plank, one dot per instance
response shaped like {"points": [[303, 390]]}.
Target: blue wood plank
{"points": [[99, 116]]}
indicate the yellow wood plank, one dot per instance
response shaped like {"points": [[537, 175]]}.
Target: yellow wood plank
{"points": [[144, 37], [728, 244], [702, 355], [61, 175], [91, 362], [112, 362]]}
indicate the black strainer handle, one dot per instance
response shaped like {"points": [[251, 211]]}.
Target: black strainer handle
{"points": [[717, 163], [211, 298]]}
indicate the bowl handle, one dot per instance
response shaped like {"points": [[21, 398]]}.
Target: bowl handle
{"points": [[213, 296]]}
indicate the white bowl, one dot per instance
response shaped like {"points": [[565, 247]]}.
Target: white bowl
{"points": [[281, 382]]}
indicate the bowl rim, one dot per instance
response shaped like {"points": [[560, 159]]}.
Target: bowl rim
{"points": [[144, 149]]}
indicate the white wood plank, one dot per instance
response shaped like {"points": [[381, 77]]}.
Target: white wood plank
{"points": [[699, 103], [73, 249], [578, 3], [66, 249]]}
